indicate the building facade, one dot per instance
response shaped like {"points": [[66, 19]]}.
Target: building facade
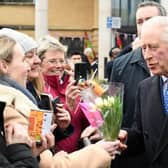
{"points": [[73, 20], [66, 18]]}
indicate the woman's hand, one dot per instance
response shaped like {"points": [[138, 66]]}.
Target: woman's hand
{"points": [[93, 133], [72, 92], [110, 146], [47, 141], [16, 133], [62, 117]]}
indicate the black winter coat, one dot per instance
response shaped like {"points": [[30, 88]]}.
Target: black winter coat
{"points": [[17, 155]]}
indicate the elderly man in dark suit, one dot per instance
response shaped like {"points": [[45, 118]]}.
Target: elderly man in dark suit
{"points": [[150, 129], [130, 69]]}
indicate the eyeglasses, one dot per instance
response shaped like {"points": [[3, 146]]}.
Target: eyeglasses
{"points": [[54, 61]]}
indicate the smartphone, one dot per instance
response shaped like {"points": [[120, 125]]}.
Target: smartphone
{"points": [[2, 107], [80, 72], [39, 123], [46, 101], [55, 102]]}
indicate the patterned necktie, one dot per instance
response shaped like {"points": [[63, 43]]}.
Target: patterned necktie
{"points": [[166, 97]]}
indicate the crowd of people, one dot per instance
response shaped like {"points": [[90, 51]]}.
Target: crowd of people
{"points": [[27, 70], [30, 69]]}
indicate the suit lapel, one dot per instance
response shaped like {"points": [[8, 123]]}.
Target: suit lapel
{"points": [[163, 141]]}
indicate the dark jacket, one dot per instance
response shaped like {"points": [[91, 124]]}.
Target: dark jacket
{"points": [[14, 155], [150, 128], [125, 50], [108, 69], [18, 155], [109, 65], [129, 69]]}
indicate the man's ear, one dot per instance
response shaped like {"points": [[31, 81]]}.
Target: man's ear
{"points": [[3, 66]]}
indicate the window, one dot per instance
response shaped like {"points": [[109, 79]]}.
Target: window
{"points": [[17, 1], [74, 44], [126, 9]]}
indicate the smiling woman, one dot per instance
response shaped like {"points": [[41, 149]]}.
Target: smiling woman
{"points": [[52, 55], [13, 63]]}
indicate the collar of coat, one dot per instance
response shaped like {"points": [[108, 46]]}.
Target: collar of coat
{"points": [[4, 80], [133, 57], [137, 56], [14, 97]]}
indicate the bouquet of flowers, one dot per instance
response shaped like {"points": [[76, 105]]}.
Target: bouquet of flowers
{"points": [[111, 105], [111, 109], [108, 100]]}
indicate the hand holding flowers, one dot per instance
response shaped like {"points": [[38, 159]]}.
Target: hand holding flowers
{"points": [[108, 100]]}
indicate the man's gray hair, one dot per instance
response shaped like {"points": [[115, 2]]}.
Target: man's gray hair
{"points": [[161, 9], [160, 22]]}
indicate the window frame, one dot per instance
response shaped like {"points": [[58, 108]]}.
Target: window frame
{"points": [[15, 2]]}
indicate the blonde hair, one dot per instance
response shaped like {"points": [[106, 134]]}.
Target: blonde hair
{"points": [[49, 43], [6, 48], [38, 84]]}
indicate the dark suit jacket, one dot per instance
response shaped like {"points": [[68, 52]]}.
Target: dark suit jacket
{"points": [[150, 128], [129, 69]]}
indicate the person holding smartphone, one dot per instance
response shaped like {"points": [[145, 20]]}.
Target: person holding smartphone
{"points": [[13, 77], [52, 55], [17, 141], [14, 139], [35, 82]]}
